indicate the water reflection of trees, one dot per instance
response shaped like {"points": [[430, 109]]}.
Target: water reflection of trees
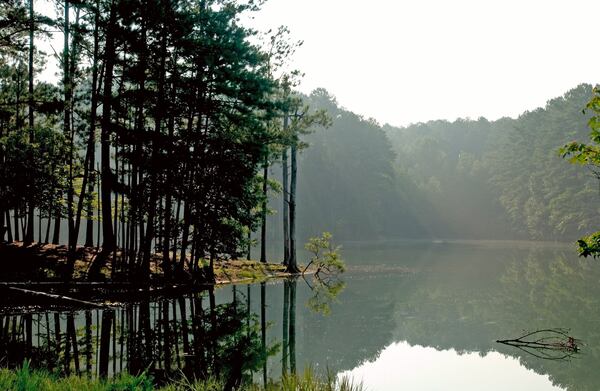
{"points": [[467, 307], [189, 334], [199, 335]]}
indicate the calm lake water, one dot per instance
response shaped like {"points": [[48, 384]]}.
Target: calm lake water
{"points": [[411, 316]]}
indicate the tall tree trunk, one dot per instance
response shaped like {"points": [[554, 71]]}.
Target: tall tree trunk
{"points": [[56, 232], [286, 202], [69, 135], [108, 244], [166, 266], [263, 228], [158, 117], [31, 206], [293, 265], [67, 128], [17, 126], [89, 232], [133, 215], [75, 217]]}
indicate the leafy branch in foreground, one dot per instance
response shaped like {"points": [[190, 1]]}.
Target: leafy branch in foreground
{"points": [[588, 155]]}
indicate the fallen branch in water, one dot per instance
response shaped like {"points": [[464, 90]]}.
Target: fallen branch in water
{"points": [[56, 297], [548, 344]]}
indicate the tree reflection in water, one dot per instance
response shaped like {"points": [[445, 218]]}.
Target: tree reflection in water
{"points": [[189, 334], [193, 334]]}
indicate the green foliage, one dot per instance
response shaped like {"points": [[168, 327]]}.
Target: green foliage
{"points": [[24, 379], [589, 245], [325, 257], [588, 155], [309, 381]]}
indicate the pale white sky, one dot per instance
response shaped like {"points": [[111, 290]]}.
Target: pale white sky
{"points": [[403, 61]]}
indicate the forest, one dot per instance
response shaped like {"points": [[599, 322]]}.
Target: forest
{"points": [[153, 143], [466, 179]]}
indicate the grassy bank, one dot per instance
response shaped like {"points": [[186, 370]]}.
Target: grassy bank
{"points": [[25, 379]]}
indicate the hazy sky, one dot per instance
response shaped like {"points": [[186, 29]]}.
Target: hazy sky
{"points": [[403, 61]]}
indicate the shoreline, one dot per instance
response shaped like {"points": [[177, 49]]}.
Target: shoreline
{"points": [[32, 278]]}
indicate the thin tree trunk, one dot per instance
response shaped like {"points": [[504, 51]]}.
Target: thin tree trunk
{"points": [[31, 206], [166, 266], [9, 236], [263, 228], [293, 265], [18, 126], [56, 232], [145, 268], [185, 234], [286, 233], [69, 136], [16, 219], [89, 234], [108, 244]]}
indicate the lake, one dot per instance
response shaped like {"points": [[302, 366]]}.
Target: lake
{"points": [[407, 315]]}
